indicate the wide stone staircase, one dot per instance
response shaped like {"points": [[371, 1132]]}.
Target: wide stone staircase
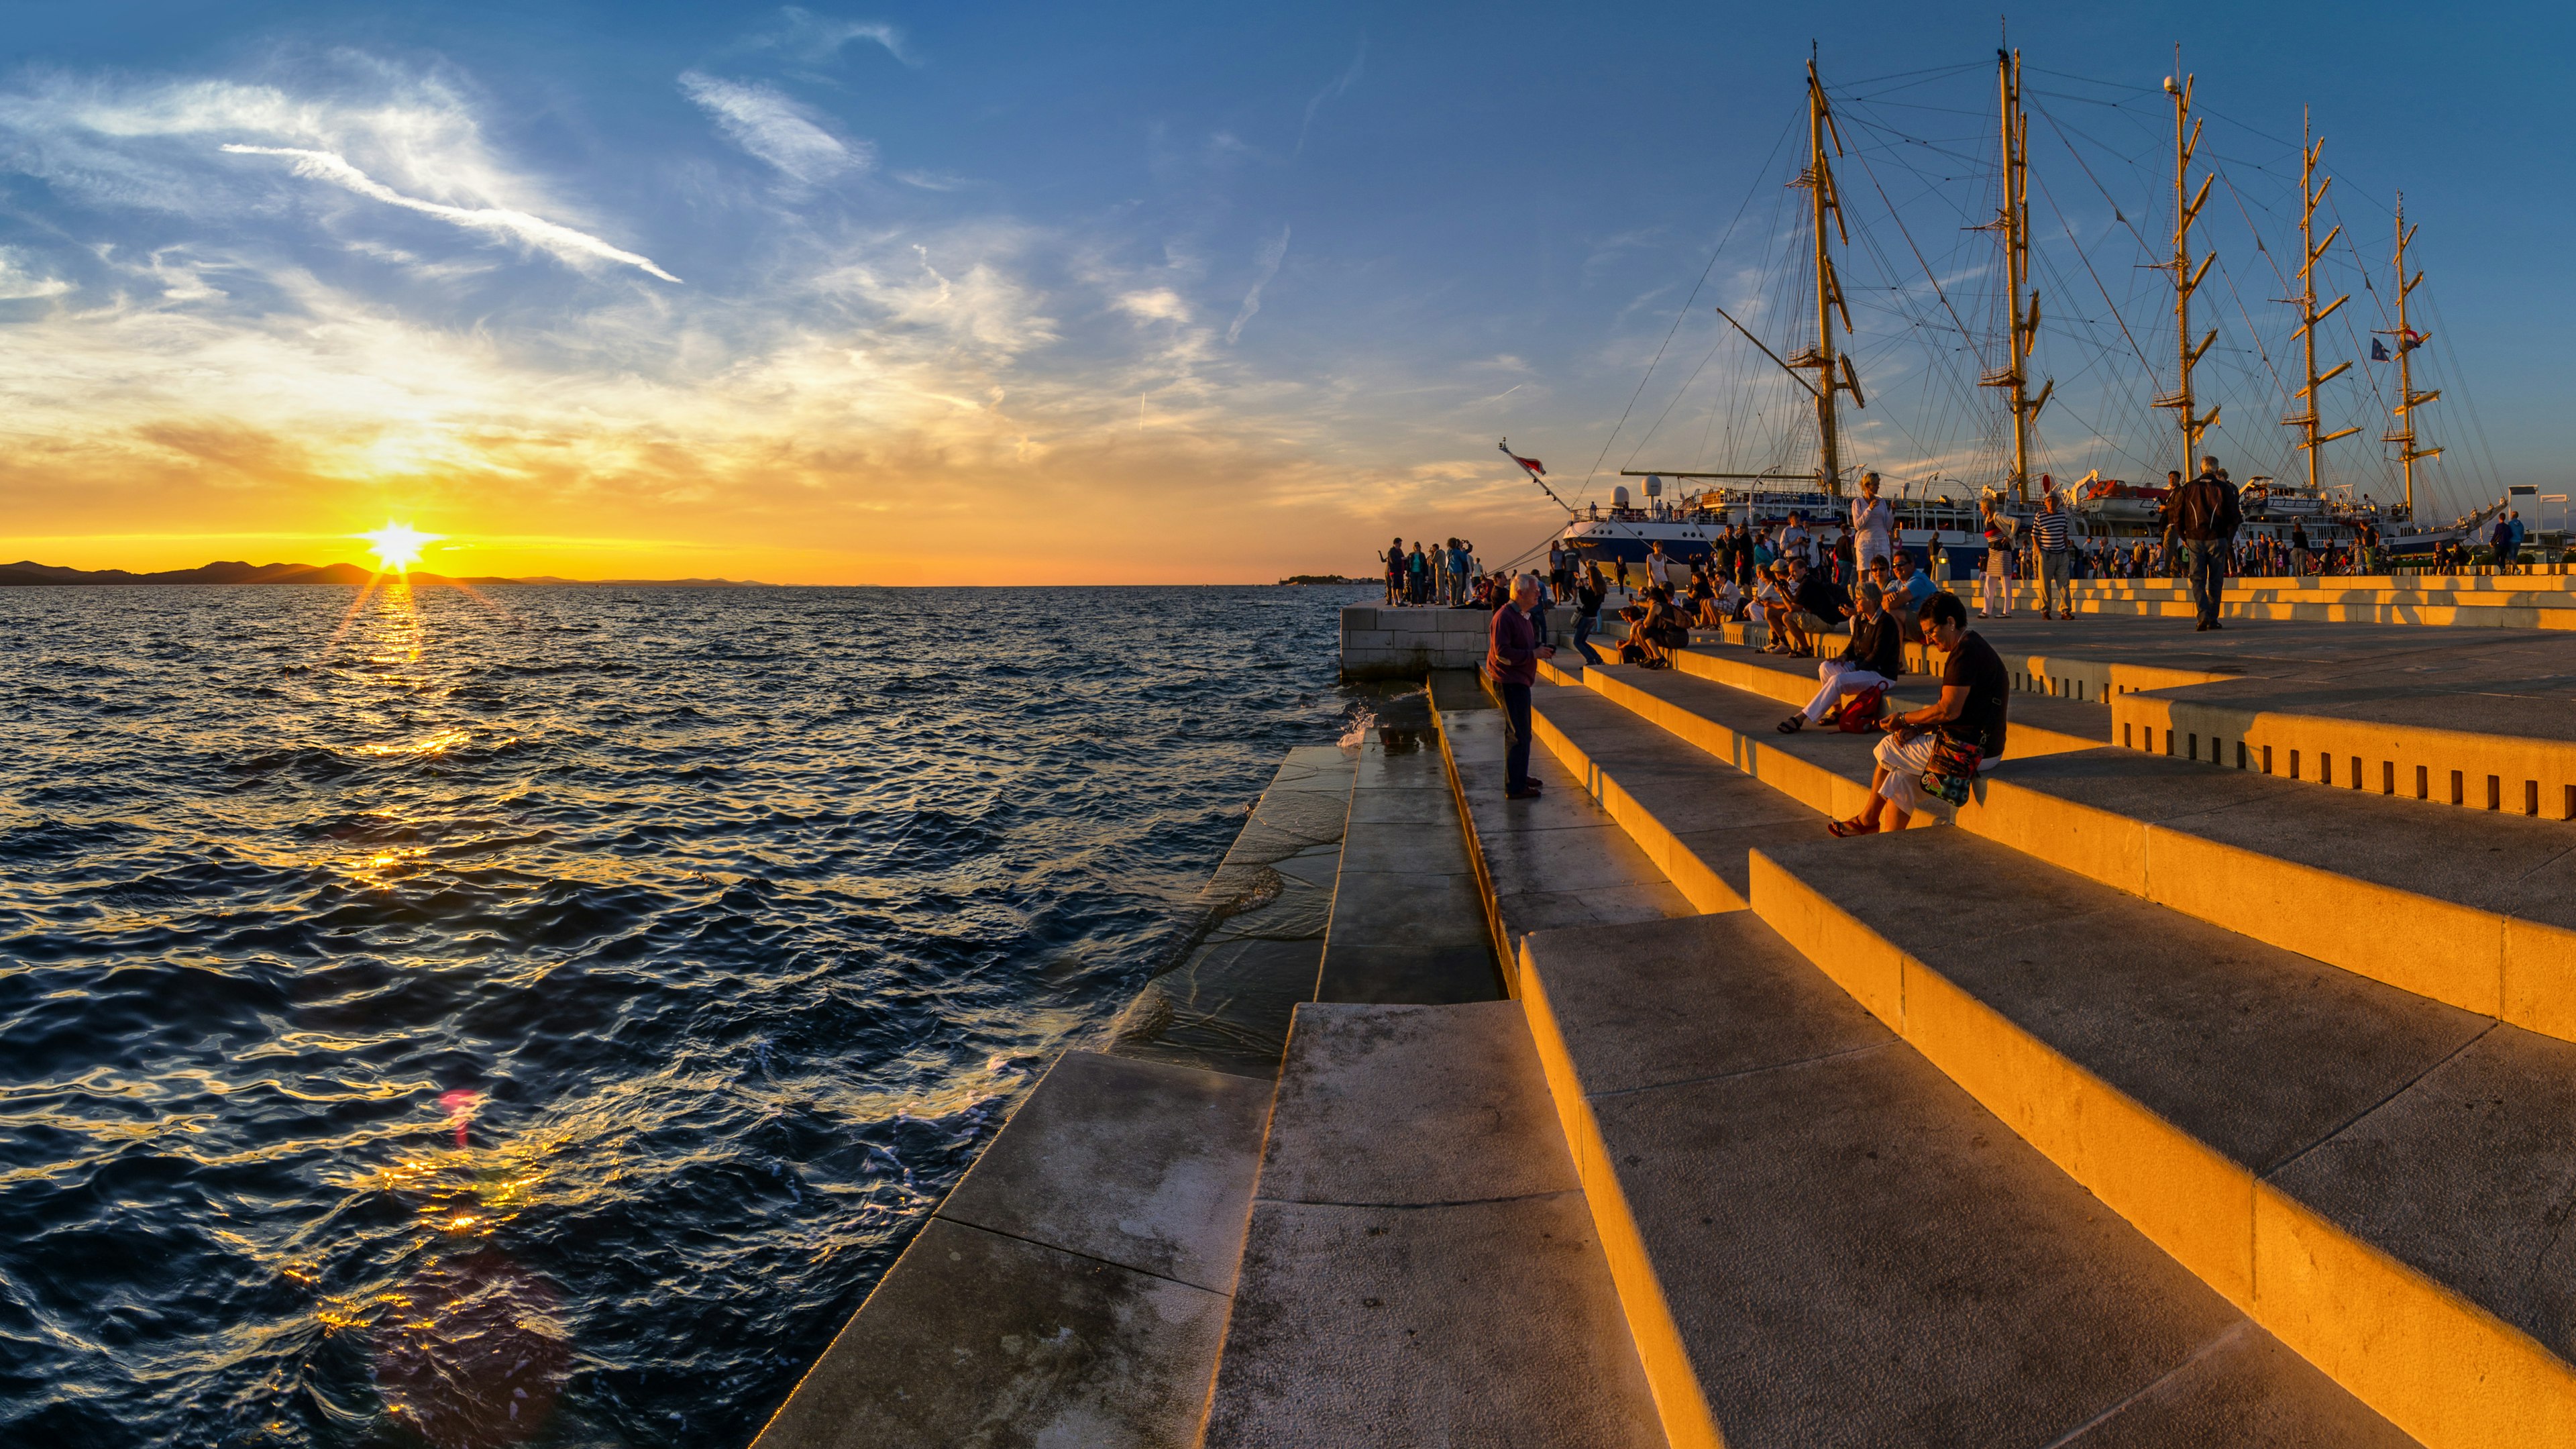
{"points": [[2161, 1099]]}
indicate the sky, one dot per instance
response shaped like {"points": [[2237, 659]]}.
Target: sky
{"points": [[992, 293]]}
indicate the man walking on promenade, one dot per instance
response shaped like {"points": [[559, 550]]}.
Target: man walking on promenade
{"points": [[1512, 653], [2205, 517], [2048, 541]]}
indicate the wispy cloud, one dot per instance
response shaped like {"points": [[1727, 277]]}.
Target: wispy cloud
{"points": [[767, 123], [1268, 261], [806, 36], [562, 242], [1349, 77]]}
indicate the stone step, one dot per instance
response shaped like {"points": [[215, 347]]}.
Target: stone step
{"points": [[1407, 923], [1559, 860], [1820, 1239], [2042, 723], [1694, 817], [2378, 1179], [2468, 908], [2463, 611], [1071, 1289], [2503, 744], [1822, 769], [1421, 1266], [2352, 879]]}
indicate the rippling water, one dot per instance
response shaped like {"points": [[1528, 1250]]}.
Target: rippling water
{"points": [[538, 1017]]}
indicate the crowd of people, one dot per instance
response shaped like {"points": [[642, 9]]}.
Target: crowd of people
{"points": [[1933, 752], [1804, 583]]}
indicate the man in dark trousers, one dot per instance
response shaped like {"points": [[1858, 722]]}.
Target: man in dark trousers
{"points": [[1512, 653], [2206, 517]]}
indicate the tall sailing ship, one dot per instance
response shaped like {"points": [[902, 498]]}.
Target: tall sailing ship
{"points": [[1683, 510]]}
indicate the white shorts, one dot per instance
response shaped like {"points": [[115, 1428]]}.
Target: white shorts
{"points": [[1840, 677], [1906, 760]]}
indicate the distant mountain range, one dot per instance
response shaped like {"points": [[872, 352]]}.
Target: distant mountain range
{"points": [[25, 573]]}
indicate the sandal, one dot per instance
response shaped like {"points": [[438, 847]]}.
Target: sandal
{"points": [[1792, 724], [1846, 829]]}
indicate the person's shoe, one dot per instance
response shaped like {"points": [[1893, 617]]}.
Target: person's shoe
{"points": [[1792, 724], [1524, 793], [2201, 627]]}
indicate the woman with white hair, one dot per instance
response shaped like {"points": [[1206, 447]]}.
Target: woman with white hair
{"points": [[1873, 526]]}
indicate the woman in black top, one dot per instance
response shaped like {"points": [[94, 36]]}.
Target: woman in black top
{"points": [[1976, 695], [1873, 659]]}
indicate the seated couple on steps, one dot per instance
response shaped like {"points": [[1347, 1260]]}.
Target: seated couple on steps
{"points": [[1934, 752]]}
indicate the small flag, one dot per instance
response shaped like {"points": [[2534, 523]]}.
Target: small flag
{"points": [[2378, 350], [2411, 339], [1535, 467]]}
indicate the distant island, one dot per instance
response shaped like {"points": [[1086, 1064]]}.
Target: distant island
{"points": [[1321, 579], [24, 573]]}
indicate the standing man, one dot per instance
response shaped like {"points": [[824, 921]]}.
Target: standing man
{"points": [[1512, 653], [1994, 595], [1873, 526], [1395, 572], [2048, 540], [2204, 515]]}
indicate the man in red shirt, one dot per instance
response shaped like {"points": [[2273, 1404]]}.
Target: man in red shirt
{"points": [[1512, 653]]}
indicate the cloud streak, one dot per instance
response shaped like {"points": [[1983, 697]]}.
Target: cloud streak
{"points": [[575, 247], [810, 37], [1350, 77], [1271, 256], [765, 122]]}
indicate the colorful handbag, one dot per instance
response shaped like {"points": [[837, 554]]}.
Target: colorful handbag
{"points": [[1953, 769]]}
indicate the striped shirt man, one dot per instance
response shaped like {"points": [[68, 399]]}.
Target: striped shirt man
{"points": [[2049, 527]]}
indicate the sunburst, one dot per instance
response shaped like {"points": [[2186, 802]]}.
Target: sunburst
{"points": [[397, 546]]}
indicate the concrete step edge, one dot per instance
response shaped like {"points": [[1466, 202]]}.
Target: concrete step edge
{"points": [[2492, 963], [2434, 1363]]}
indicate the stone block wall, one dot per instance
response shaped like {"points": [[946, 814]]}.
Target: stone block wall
{"points": [[1382, 643]]}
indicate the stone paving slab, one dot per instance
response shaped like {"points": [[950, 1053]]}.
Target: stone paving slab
{"points": [[1410, 1105], [1421, 1268], [1844, 1248], [2284, 1128], [1478, 1325], [977, 1338], [1140, 1164]]}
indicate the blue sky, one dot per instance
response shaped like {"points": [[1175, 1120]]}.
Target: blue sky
{"points": [[983, 291]]}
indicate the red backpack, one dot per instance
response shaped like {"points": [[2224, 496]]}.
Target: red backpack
{"points": [[1860, 712]]}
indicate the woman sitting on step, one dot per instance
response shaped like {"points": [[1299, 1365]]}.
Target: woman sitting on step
{"points": [[1937, 749], [1873, 659]]}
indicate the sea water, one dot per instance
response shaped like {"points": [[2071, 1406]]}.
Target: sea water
{"points": [[538, 1015]]}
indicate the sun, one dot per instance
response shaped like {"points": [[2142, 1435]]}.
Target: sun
{"points": [[397, 546]]}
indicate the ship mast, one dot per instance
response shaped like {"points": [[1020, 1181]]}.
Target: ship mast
{"points": [[2187, 206], [2403, 435], [2015, 225], [2311, 191], [1833, 371]]}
